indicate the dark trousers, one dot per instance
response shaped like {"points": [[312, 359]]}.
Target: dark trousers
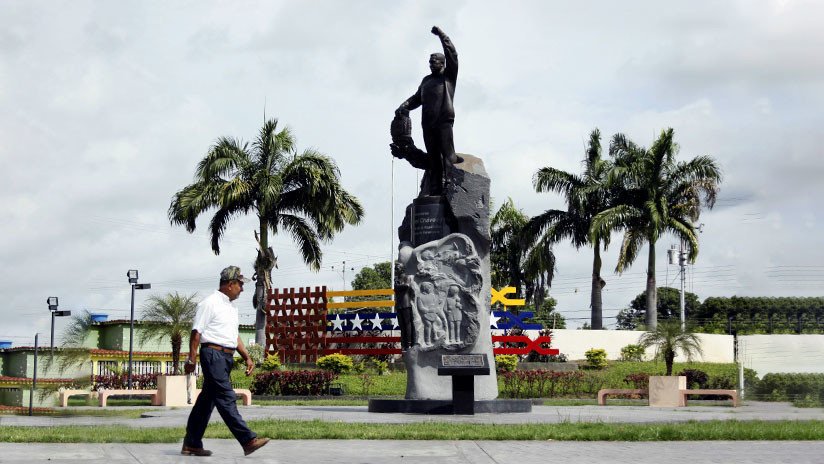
{"points": [[440, 147], [217, 392]]}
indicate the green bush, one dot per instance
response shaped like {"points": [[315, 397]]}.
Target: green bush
{"points": [[303, 383], [596, 358], [632, 353], [697, 379], [506, 362], [336, 362], [271, 363], [804, 388], [257, 353]]}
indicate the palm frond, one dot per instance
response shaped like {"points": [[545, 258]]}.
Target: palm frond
{"points": [[306, 238]]}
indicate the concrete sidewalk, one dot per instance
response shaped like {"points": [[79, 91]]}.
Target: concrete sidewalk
{"points": [[429, 452]]}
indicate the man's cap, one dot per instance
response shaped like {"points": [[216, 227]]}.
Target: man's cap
{"points": [[232, 273]]}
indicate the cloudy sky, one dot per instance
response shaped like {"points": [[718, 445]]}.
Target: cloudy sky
{"points": [[108, 106]]}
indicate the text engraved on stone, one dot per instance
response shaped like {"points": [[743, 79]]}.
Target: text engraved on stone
{"points": [[462, 360]]}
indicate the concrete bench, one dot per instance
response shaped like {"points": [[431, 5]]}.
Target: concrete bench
{"points": [[65, 394], [243, 393], [104, 395], [604, 392], [730, 393]]}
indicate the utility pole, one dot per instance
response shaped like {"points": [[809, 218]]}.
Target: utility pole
{"points": [[343, 272], [682, 263]]}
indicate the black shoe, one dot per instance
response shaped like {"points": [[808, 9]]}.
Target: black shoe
{"points": [[190, 451], [254, 445]]}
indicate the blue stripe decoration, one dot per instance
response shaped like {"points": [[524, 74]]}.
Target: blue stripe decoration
{"points": [[507, 320]]}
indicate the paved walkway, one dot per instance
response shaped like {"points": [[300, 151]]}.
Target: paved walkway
{"points": [[428, 452], [432, 452]]}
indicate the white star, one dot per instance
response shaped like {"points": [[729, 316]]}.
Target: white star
{"points": [[356, 323], [337, 323], [394, 319], [493, 320], [376, 322]]}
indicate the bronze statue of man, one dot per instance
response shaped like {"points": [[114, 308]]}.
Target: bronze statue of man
{"points": [[435, 96]]}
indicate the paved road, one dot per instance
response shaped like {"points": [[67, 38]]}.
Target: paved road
{"points": [[429, 452]]}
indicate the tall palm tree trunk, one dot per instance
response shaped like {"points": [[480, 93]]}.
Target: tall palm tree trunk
{"points": [[652, 298], [595, 302], [261, 287]]}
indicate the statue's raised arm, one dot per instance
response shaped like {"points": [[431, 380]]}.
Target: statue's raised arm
{"points": [[450, 55]]}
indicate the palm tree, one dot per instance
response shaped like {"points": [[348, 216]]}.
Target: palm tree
{"points": [[299, 193], [668, 338], [506, 254], [74, 350], [656, 195], [586, 195], [169, 316]]}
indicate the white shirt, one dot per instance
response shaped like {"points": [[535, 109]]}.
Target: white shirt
{"points": [[217, 321]]}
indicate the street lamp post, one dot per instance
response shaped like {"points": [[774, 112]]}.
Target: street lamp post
{"points": [[34, 376], [132, 275], [52, 302]]}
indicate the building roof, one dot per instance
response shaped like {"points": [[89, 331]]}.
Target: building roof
{"points": [[17, 380], [121, 353]]}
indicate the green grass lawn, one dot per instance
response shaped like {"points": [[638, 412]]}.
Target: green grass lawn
{"points": [[315, 430]]}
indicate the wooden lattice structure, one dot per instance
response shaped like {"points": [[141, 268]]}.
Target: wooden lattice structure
{"points": [[296, 323]]}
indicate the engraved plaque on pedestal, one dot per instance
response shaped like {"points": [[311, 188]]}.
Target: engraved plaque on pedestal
{"points": [[429, 220]]}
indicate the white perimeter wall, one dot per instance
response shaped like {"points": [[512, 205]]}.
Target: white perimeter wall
{"points": [[782, 353], [574, 343], [762, 353]]}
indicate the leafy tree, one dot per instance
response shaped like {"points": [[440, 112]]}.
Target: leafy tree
{"points": [[169, 316], [669, 306], [371, 278], [548, 317], [297, 193], [586, 195], [657, 195], [668, 339]]}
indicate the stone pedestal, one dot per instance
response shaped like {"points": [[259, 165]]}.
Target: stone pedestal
{"points": [[664, 391], [443, 284], [171, 390]]}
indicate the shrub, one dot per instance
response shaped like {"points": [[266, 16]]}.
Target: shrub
{"points": [[271, 363], [790, 387], [381, 367], [121, 381], [336, 362], [696, 378], [506, 362], [596, 358], [547, 384], [638, 380], [632, 353], [303, 383], [257, 353]]}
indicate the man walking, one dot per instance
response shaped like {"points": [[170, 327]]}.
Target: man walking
{"points": [[215, 331]]}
